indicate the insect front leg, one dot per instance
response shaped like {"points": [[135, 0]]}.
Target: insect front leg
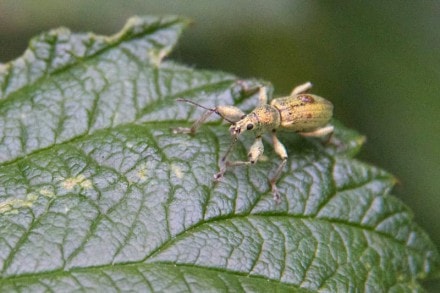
{"points": [[254, 153], [229, 113], [281, 151], [196, 124]]}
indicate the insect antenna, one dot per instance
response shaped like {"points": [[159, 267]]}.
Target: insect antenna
{"points": [[206, 108], [195, 104]]}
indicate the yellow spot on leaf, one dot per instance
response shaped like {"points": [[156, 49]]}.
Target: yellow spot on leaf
{"points": [[177, 171], [11, 205], [46, 192], [142, 173], [31, 197], [86, 184], [70, 183], [156, 56]]}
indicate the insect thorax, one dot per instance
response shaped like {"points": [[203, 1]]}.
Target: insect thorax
{"points": [[266, 118]]}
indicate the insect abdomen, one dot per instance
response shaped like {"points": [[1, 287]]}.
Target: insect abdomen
{"points": [[303, 113]]}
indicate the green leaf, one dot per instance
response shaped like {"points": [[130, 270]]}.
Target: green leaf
{"points": [[97, 193]]}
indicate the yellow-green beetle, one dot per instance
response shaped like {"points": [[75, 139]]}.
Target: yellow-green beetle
{"points": [[300, 112]]}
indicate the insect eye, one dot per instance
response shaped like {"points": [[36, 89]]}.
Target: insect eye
{"points": [[250, 126]]}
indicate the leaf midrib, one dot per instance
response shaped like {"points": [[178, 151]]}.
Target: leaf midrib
{"points": [[38, 276], [87, 133], [201, 225]]}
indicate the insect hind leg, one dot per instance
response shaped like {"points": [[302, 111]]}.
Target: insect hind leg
{"points": [[320, 132], [302, 88]]}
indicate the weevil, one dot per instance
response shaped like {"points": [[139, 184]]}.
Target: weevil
{"points": [[303, 113]]}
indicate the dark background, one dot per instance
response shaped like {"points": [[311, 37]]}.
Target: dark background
{"points": [[377, 61]]}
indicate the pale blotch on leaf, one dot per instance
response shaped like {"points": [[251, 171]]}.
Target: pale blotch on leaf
{"points": [[177, 171], [80, 180], [87, 184], [142, 173], [156, 56], [45, 191], [11, 205]]}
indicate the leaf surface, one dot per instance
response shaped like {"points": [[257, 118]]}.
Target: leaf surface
{"points": [[97, 193]]}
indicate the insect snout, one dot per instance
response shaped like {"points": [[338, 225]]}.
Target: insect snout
{"points": [[235, 130]]}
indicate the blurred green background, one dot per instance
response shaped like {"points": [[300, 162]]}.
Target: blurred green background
{"points": [[377, 61]]}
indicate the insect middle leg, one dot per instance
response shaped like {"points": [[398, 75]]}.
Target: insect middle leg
{"points": [[281, 151], [254, 153]]}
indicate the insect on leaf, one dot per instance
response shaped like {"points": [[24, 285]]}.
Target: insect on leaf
{"points": [[96, 193]]}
